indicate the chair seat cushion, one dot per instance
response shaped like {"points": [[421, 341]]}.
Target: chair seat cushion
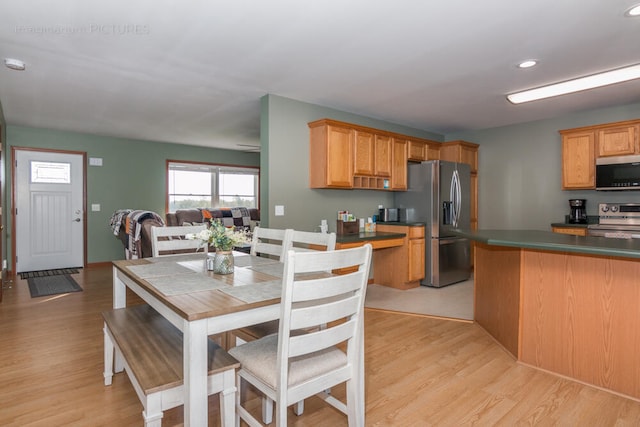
{"points": [[260, 358]]}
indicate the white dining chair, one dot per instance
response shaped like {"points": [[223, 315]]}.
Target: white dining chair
{"points": [[301, 241], [173, 239], [290, 366], [270, 241]]}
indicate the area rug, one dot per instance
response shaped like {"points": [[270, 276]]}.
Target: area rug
{"points": [[52, 285], [42, 273]]}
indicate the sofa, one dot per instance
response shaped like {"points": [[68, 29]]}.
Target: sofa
{"points": [[133, 228], [246, 218]]}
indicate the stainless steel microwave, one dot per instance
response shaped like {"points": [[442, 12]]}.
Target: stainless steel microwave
{"points": [[618, 173]]}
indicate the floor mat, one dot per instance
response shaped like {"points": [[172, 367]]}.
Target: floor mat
{"points": [[52, 285], [42, 273]]}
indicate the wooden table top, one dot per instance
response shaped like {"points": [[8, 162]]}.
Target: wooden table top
{"points": [[202, 304]]}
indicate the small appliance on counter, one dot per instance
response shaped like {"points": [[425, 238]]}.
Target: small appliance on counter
{"points": [[578, 213]]}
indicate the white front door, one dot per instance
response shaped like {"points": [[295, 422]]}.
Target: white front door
{"points": [[49, 215]]}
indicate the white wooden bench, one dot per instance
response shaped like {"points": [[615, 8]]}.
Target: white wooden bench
{"points": [[149, 348]]}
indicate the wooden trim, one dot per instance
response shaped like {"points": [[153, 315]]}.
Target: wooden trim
{"points": [[600, 126], [360, 128]]}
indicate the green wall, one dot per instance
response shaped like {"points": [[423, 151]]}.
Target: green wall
{"points": [[520, 175], [285, 157], [132, 176]]}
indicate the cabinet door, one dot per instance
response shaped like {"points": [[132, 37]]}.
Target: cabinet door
{"points": [[618, 141], [417, 150], [474, 198], [416, 259], [339, 157], [460, 151], [578, 161], [432, 151], [382, 156], [363, 153], [399, 170]]}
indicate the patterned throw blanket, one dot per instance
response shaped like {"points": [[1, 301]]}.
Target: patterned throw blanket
{"points": [[231, 217], [132, 220], [134, 228], [116, 220]]}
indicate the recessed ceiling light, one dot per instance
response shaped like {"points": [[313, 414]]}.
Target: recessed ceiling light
{"points": [[633, 11], [528, 63], [14, 64], [576, 85]]}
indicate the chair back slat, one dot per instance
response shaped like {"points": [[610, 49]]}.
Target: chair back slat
{"points": [[309, 317], [321, 339], [304, 241], [271, 241], [167, 239], [327, 287]]}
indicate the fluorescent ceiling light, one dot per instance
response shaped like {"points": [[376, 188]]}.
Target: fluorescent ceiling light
{"points": [[633, 11], [576, 85]]}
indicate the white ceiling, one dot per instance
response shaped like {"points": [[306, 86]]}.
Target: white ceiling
{"points": [[193, 72]]}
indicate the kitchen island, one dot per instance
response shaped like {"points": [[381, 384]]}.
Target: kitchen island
{"points": [[565, 304]]}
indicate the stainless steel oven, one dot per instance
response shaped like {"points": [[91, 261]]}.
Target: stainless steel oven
{"points": [[617, 220]]}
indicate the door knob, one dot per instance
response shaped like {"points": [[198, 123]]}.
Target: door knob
{"points": [[77, 220]]}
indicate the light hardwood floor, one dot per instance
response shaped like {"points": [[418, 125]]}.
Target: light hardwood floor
{"points": [[419, 372]]}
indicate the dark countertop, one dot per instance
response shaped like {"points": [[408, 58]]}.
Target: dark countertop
{"points": [[378, 235], [591, 219], [547, 240], [569, 225]]}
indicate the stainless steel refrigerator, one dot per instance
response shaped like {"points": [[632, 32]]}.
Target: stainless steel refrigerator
{"points": [[439, 195]]}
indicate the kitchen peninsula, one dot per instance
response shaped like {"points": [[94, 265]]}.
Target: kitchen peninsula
{"points": [[565, 304]]}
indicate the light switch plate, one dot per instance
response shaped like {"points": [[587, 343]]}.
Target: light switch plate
{"points": [[95, 161], [95, 207], [279, 210]]}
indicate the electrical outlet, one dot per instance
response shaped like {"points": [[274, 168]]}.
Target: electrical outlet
{"points": [[279, 210]]}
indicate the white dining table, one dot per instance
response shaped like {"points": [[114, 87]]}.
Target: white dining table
{"points": [[200, 303]]}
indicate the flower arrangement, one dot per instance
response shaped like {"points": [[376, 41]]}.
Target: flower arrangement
{"points": [[221, 237]]}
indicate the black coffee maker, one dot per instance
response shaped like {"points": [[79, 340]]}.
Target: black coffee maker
{"points": [[578, 214]]}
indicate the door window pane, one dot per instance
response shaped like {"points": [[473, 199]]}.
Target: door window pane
{"points": [[50, 172]]}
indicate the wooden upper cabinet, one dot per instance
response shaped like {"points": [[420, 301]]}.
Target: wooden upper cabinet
{"points": [[432, 151], [618, 141], [399, 164], [578, 160], [421, 150], [461, 152], [416, 150], [363, 153], [331, 155], [382, 155]]}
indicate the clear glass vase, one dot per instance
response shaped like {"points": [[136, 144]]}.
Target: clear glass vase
{"points": [[223, 262]]}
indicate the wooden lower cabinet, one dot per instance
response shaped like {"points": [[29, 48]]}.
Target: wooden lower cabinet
{"points": [[576, 231], [572, 314], [401, 267]]}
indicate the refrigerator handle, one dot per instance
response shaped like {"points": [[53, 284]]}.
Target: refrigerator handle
{"points": [[455, 196]]}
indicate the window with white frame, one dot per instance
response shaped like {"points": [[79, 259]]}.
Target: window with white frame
{"points": [[203, 185]]}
